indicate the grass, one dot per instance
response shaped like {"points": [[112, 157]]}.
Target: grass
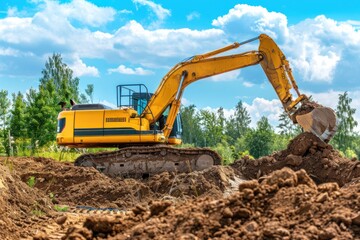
{"points": [[37, 212], [31, 181], [60, 156], [9, 164], [61, 208]]}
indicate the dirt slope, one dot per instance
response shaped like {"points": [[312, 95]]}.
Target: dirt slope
{"points": [[306, 191], [284, 205]]}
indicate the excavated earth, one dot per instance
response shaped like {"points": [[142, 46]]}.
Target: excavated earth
{"points": [[307, 191]]}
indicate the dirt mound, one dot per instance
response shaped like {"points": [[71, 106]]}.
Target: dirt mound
{"points": [[307, 191], [283, 205], [308, 152], [75, 186], [19, 202]]}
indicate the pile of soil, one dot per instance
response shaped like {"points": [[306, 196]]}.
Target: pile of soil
{"points": [[20, 204], [81, 186], [284, 205], [306, 151], [307, 191]]}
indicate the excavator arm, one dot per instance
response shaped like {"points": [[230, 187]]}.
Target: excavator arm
{"points": [[275, 66]]}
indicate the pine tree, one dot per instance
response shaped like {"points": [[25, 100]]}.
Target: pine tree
{"points": [[238, 124], [287, 127], [18, 125], [346, 123]]}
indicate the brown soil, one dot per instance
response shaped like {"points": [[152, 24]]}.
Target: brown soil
{"points": [[306, 191]]}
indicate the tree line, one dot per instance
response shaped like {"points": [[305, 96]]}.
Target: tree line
{"points": [[28, 121], [233, 137]]}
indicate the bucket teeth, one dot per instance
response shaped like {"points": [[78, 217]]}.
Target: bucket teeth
{"points": [[321, 121]]}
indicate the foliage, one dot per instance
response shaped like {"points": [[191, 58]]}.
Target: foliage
{"points": [[31, 119], [56, 84], [4, 121], [349, 153], [238, 124], [225, 151], [37, 212], [65, 85], [346, 123], [287, 127], [18, 125], [212, 127], [31, 181], [4, 107], [90, 92], [192, 133], [259, 141], [61, 208]]}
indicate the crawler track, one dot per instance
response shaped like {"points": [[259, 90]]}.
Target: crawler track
{"points": [[145, 161]]}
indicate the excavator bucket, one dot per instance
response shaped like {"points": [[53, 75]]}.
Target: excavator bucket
{"points": [[321, 121]]}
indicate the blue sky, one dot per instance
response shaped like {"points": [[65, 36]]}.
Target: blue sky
{"points": [[113, 42]]}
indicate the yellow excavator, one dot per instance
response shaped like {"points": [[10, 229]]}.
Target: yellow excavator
{"points": [[144, 125]]}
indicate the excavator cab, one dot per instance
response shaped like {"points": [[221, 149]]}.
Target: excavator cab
{"points": [[136, 96]]}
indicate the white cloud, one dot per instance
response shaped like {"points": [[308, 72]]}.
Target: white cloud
{"points": [[9, 52], [248, 84], [84, 12], [156, 48], [130, 71], [246, 20], [12, 11], [193, 16], [80, 69], [263, 107], [228, 76], [259, 107], [185, 102], [125, 11], [315, 47], [160, 12], [320, 47]]}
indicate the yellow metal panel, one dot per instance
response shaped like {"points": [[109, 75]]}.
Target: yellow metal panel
{"points": [[67, 134], [89, 119]]}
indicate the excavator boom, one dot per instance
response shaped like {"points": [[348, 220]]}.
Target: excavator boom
{"points": [[276, 67], [151, 119]]}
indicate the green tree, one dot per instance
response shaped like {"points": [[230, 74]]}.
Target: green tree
{"points": [[192, 133], [41, 115], [225, 151], [346, 123], [18, 125], [4, 108], [17, 121], [66, 86], [4, 120], [90, 92], [259, 141], [287, 127], [238, 124], [56, 84], [211, 126]]}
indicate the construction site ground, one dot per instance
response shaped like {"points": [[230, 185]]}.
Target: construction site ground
{"points": [[307, 191]]}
